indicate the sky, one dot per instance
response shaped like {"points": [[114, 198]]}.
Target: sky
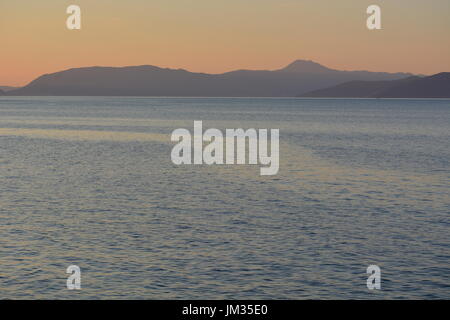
{"points": [[216, 36]]}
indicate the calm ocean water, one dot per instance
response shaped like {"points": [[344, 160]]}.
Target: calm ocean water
{"points": [[89, 181]]}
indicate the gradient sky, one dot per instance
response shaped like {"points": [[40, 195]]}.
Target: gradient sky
{"points": [[221, 35]]}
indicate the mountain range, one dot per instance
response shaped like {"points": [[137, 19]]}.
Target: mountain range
{"points": [[296, 79], [301, 78], [435, 86]]}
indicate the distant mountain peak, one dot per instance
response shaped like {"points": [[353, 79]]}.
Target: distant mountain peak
{"points": [[306, 66]]}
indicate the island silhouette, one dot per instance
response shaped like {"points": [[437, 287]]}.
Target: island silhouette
{"points": [[300, 78]]}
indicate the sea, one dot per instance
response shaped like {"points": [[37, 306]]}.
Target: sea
{"points": [[89, 181]]}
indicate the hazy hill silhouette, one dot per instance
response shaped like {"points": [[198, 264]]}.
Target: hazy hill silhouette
{"points": [[435, 86], [7, 88], [298, 77]]}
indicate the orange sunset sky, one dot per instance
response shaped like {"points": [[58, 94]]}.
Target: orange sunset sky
{"points": [[221, 35]]}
